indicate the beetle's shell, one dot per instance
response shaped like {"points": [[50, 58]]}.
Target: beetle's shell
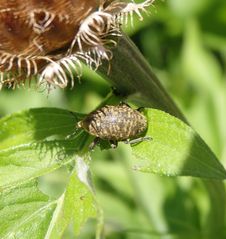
{"points": [[115, 123]]}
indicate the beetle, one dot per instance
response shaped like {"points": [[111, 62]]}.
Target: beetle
{"points": [[115, 123]]}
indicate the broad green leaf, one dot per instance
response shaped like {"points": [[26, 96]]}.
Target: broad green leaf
{"points": [[35, 124], [33, 143], [175, 150], [84, 205], [76, 205], [28, 213], [25, 212]]}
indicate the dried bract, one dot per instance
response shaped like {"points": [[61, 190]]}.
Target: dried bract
{"points": [[50, 39]]}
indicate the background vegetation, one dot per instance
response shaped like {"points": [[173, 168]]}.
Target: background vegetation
{"points": [[185, 43]]}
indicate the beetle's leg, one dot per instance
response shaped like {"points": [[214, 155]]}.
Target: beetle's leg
{"points": [[94, 143], [113, 143], [123, 103], [140, 109], [138, 140]]}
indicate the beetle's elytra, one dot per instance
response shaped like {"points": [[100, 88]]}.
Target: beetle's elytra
{"points": [[115, 123]]}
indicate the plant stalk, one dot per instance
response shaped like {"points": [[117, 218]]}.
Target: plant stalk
{"points": [[132, 77]]}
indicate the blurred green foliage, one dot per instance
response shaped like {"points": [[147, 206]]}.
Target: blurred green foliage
{"points": [[185, 43]]}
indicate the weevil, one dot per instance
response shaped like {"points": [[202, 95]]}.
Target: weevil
{"points": [[115, 123]]}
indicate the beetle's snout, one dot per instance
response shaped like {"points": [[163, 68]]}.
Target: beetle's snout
{"points": [[85, 123]]}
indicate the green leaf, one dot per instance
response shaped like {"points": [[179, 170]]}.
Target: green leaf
{"points": [[35, 124], [175, 150], [84, 205], [28, 213], [25, 211], [33, 143], [77, 204]]}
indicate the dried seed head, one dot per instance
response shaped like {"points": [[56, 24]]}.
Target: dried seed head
{"points": [[51, 38], [33, 33]]}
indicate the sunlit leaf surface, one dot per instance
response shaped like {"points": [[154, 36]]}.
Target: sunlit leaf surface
{"points": [[175, 149]]}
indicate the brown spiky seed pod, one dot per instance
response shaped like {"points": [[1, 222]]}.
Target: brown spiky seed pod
{"points": [[115, 123], [49, 39], [34, 32]]}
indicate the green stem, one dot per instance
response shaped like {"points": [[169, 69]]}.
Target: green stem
{"points": [[133, 77]]}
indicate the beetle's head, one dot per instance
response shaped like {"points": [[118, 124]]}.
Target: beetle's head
{"points": [[85, 123]]}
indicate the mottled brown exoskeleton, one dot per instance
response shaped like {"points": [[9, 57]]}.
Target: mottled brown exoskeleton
{"points": [[115, 123]]}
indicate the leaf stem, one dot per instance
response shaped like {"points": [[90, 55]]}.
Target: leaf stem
{"points": [[133, 77]]}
